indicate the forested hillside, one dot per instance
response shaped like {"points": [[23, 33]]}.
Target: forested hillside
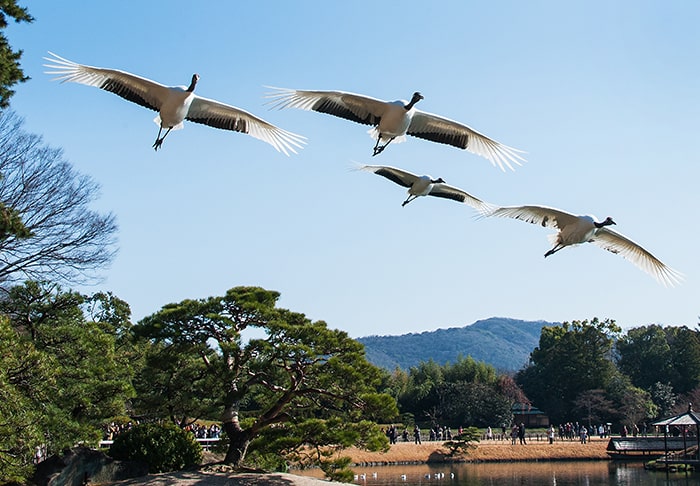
{"points": [[503, 343]]}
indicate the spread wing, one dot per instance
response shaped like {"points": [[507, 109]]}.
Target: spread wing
{"points": [[443, 130], [136, 89], [456, 194], [219, 115], [399, 176], [614, 242], [407, 179], [541, 215], [353, 107]]}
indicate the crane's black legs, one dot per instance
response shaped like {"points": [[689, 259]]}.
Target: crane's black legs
{"points": [[159, 141], [408, 199], [377, 148], [558, 247]]}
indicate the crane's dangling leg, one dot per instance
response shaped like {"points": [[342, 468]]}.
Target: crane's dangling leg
{"points": [[159, 141], [558, 247], [409, 199], [377, 148]]}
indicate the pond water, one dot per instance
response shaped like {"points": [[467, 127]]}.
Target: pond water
{"points": [[559, 473]]}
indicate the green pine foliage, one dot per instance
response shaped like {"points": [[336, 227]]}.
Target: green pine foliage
{"points": [[62, 376], [25, 377], [163, 447], [461, 444], [10, 71]]}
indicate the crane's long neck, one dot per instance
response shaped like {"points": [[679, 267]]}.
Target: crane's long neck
{"points": [[193, 83], [416, 98], [608, 221]]}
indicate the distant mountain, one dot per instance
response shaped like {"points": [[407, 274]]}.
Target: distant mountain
{"points": [[503, 343]]}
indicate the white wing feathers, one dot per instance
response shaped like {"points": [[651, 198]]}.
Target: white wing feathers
{"points": [[153, 95], [353, 107], [541, 215], [369, 111], [227, 117], [616, 243], [603, 238], [136, 89], [407, 179], [443, 130]]}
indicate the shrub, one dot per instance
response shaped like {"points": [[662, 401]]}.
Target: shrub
{"points": [[163, 447]]}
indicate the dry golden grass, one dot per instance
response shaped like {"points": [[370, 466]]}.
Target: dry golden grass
{"points": [[401, 453], [492, 450]]}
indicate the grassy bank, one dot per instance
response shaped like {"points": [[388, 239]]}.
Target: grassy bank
{"points": [[486, 451]]}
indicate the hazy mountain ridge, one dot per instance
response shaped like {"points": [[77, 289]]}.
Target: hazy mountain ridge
{"points": [[502, 342]]}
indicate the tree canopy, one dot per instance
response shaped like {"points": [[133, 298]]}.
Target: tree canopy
{"points": [[61, 238], [570, 359], [62, 376], [10, 70], [463, 393], [298, 370]]}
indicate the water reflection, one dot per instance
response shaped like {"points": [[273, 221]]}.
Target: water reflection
{"points": [[593, 473]]}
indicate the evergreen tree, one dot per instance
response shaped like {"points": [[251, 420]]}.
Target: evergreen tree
{"points": [[570, 359], [297, 371], [10, 71]]}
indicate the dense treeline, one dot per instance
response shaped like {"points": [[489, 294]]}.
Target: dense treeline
{"points": [[463, 393], [71, 364], [585, 371], [592, 371]]}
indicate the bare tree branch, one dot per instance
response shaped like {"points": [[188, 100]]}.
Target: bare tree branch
{"points": [[69, 242]]}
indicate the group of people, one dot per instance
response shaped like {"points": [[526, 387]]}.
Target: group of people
{"points": [[436, 433], [574, 430], [200, 431], [113, 429], [635, 430], [567, 431], [517, 433]]}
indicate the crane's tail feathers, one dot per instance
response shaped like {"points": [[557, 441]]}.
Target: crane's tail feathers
{"points": [[158, 122], [374, 134], [553, 239]]}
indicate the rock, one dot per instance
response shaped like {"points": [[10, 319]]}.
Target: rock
{"points": [[81, 466]]}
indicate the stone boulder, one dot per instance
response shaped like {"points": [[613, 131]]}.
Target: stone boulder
{"points": [[81, 466]]}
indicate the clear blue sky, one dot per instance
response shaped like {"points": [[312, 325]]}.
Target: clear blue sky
{"points": [[603, 96]]}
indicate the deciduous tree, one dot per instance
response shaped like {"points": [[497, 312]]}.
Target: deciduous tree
{"points": [[68, 241]]}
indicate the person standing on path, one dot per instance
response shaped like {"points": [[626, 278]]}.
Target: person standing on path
{"points": [[521, 433], [416, 434]]}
